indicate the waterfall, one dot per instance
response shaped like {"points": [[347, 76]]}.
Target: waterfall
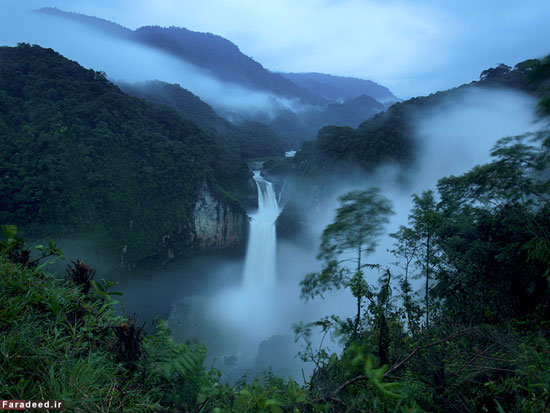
{"points": [[259, 266]]}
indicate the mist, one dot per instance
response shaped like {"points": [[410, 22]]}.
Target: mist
{"points": [[204, 299], [242, 327], [131, 62], [451, 138]]}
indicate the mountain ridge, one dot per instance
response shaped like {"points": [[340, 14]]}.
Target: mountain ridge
{"points": [[253, 139], [223, 58], [83, 160], [342, 88], [388, 136], [201, 49]]}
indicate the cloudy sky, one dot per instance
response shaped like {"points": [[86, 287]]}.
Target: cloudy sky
{"points": [[414, 47]]}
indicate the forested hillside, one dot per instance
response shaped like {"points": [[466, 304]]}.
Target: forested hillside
{"points": [[253, 139], [212, 53], [388, 136], [299, 104], [268, 136], [339, 88], [190, 106], [82, 159], [303, 126]]}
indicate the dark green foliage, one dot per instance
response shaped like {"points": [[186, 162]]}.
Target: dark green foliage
{"points": [[484, 230], [190, 106], [491, 218], [532, 75], [424, 222], [255, 139], [358, 224], [495, 73], [175, 371], [406, 247], [57, 342], [388, 137], [485, 347], [481, 242], [355, 381], [477, 338], [13, 248], [296, 128], [351, 237], [81, 275], [81, 159], [247, 139]]}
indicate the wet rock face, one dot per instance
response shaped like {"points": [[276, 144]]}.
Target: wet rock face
{"points": [[214, 227], [215, 224]]}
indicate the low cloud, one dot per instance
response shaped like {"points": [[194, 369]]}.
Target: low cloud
{"points": [[413, 47], [452, 138], [127, 61]]}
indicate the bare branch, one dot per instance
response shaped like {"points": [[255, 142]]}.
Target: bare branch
{"points": [[416, 350], [348, 383]]}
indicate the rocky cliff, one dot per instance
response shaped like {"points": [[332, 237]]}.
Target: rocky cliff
{"points": [[216, 225]]}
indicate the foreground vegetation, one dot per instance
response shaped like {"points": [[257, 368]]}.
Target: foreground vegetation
{"points": [[61, 339], [475, 339]]}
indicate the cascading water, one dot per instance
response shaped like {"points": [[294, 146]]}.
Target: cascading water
{"points": [[259, 267], [243, 322], [247, 323]]}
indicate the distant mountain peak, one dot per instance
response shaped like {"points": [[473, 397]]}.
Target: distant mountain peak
{"points": [[340, 88], [219, 56], [223, 59], [95, 22]]}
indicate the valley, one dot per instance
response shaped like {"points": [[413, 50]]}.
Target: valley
{"points": [[191, 231]]}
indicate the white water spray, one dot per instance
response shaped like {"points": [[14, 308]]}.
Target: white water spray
{"points": [[259, 267]]}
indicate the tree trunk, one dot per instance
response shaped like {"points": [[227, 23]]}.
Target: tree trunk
{"points": [[383, 338], [427, 298], [357, 319], [358, 316], [407, 303]]}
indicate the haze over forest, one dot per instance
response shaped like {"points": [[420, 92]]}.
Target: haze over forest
{"points": [[413, 48], [328, 206]]}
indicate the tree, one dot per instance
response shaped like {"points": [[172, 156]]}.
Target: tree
{"points": [[494, 232], [494, 73], [352, 236], [424, 222], [405, 250]]}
